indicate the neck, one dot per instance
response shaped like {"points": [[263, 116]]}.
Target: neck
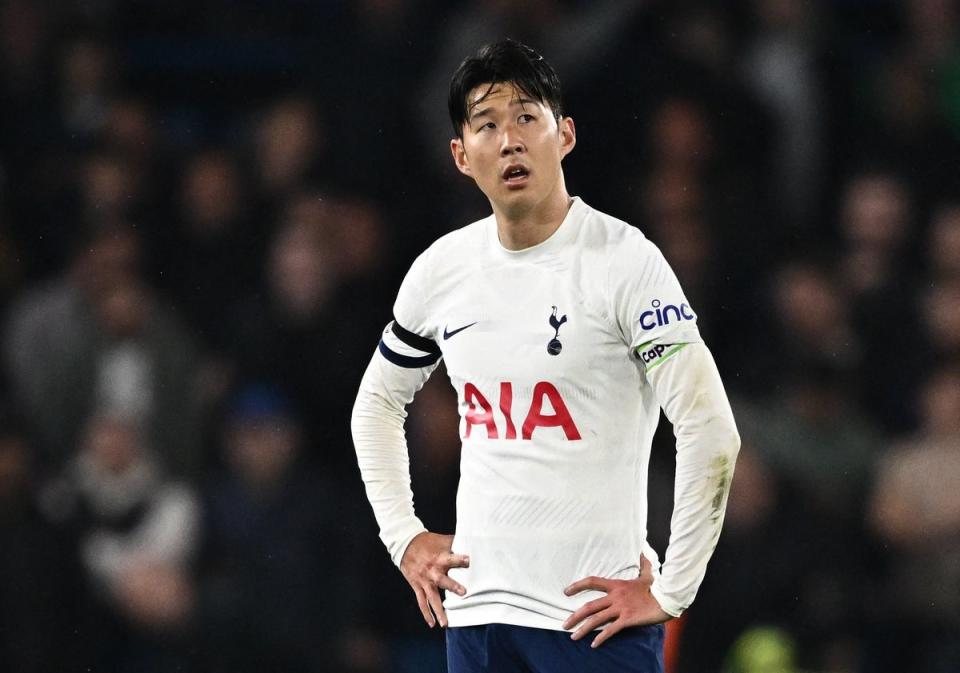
{"points": [[525, 227]]}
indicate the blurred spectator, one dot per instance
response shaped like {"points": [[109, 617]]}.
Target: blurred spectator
{"points": [[110, 191], [680, 136], [276, 596], [357, 229], [814, 436], [289, 143], [878, 221], [908, 120], [137, 532], [132, 136], [703, 35], [131, 130], [48, 331], [915, 510], [806, 324], [88, 71], [675, 198], [299, 334], [97, 336], [144, 366], [814, 315], [780, 66], [214, 251]]}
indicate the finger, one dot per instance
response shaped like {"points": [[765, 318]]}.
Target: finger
{"points": [[646, 568], [586, 610], [591, 583], [424, 607], [450, 560], [444, 582], [608, 632], [440, 579], [594, 622], [433, 598]]}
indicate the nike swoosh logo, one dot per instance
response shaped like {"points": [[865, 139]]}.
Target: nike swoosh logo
{"points": [[447, 335]]}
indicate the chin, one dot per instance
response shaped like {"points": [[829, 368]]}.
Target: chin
{"points": [[521, 199], [516, 207]]}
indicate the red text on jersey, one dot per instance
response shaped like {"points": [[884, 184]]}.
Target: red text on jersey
{"points": [[480, 412]]}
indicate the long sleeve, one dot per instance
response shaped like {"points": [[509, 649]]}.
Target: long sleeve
{"points": [[396, 372], [688, 388]]}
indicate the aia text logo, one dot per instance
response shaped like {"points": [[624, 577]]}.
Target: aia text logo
{"points": [[660, 315], [480, 412]]}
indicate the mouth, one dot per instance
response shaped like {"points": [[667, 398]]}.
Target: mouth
{"points": [[515, 175]]}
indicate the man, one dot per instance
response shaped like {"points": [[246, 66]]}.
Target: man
{"points": [[564, 332]]}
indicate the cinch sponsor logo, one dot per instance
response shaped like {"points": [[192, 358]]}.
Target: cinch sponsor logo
{"points": [[659, 317]]}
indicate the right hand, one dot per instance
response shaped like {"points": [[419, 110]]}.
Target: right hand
{"points": [[425, 564]]}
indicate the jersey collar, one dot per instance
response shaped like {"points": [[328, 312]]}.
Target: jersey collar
{"points": [[571, 222]]}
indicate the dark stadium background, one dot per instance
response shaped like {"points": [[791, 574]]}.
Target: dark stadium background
{"points": [[205, 212]]}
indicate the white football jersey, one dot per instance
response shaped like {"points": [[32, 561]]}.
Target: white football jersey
{"points": [[549, 350]]}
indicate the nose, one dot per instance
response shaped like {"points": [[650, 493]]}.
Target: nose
{"points": [[511, 143]]}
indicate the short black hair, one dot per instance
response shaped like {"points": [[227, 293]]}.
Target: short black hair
{"points": [[504, 61]]}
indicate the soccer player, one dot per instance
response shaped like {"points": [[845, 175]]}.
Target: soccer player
{"points": [[564, 332]]}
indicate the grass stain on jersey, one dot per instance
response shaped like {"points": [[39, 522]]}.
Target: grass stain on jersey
{"points": [[720, 474]]}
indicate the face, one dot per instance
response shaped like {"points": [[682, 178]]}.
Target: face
{"points": [[261, 450], [113, 443], [512, 146]]}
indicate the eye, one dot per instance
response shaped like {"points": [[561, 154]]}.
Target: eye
{"points": [[526, 118], [487, 126]]}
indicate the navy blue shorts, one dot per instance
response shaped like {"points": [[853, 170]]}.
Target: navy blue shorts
{"points": [[501, 648]]}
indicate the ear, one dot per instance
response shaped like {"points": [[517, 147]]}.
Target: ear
{"points": [[460, 157], [568, 136]]}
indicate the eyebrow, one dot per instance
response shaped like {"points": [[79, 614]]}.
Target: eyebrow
{"points": [[485, 112]]}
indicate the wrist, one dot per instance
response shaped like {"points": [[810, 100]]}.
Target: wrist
{"points": [[399, 548], [670, 607]]}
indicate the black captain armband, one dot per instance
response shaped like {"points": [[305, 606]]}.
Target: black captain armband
{"points": [[407, 349]]}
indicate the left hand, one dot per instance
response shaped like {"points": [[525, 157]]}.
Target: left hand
{"points": [[627, 603]]}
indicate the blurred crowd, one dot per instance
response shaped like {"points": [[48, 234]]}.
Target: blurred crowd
{"points": [[205, 212]]}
